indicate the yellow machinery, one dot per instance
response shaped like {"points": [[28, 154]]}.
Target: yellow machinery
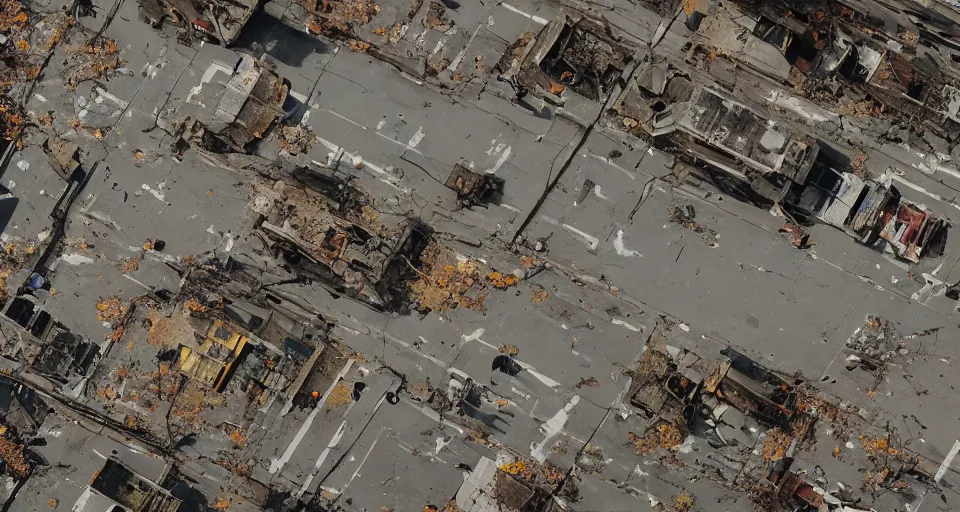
{"points": [[211, 360]]}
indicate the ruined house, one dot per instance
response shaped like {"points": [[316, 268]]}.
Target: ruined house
{"points": [[750, 154], [234, 104], [759, 424], [762, 157], [341, 243], [118, 488], [571, 52], [22, 411], [891, 61]]}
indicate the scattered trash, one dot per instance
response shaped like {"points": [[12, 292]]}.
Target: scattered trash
{"points": [[539, 296], [800, 239], [588, 381], [685, 215], [662, 435], [510, 350], [110, 309], [297, 139]]}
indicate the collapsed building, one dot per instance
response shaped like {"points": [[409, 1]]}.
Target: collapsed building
{"points": [[331, 234], [763, 426], [572, 52], [891, 63], [751, 155], [22, 411], [117, 487], [43, 341], [236, 102]]}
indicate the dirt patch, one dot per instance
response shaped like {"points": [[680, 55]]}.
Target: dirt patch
{"points": [[510, 350], [539, 296], [169, 331], [339, 17], [775, 444], [661, 435], [444, 283], [341, 395], [110, 309], [95, 61], [11, 453]]}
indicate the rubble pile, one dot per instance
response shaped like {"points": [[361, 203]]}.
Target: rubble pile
{"points": [[663, 435], [12, 455], [525, 480], [445, 282], [296, 139], [685, 215], [98, 60], [874, 344]]}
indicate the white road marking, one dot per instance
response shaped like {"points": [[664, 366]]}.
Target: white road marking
{"points": [[534, 18], [551, 428], [277, 464], [947, 461], [621, 249]]}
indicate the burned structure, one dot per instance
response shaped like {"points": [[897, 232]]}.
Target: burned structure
{"points": [[571, 52], [764, 160], [117, 487], [22, 411], [217, 357], [334, 236], [770, 157], [891, 62], [474, 188], [237, 101], [763, 428]]}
